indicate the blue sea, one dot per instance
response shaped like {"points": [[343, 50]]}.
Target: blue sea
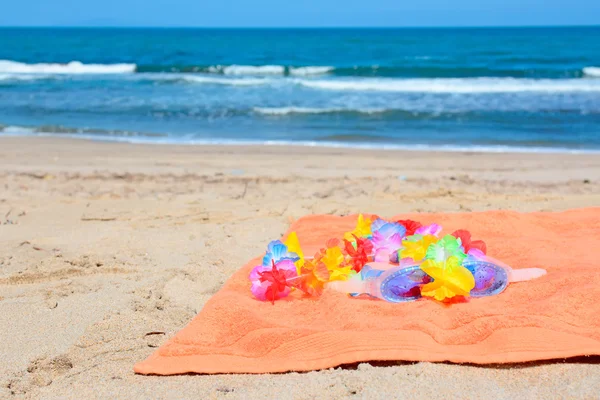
{"points": [[485, 89]]}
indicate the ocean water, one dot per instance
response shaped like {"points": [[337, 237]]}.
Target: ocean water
{"points": [[524, 89]]}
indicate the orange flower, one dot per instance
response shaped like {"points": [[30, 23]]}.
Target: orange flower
{"points": [[313, 277]]}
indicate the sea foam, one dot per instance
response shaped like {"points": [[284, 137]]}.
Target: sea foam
{"points": [[17, 130], [19, 77], [132, 137], [74, 67], [219, 81], [307, 110], [268, 70], [592, 71], [455, 85], [304, 71], [248, 69]]}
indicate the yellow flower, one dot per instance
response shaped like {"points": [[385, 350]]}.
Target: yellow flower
{"points": [[333, 258], [416, 249], [363, 229], [450, 279], [293, 245]]}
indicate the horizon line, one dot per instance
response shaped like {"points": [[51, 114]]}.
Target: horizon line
{"points": [[296, 27]]}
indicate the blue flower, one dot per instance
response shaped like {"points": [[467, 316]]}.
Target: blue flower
{"points": [[387, 229], [277, 251]]}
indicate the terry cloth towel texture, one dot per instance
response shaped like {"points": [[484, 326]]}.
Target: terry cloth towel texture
{"points": [[555, 316]]}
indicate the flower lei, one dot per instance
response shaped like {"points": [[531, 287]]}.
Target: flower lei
{"points": [[284, 266]]}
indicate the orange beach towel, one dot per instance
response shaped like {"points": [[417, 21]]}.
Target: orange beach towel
{"points": [[556, 316]]}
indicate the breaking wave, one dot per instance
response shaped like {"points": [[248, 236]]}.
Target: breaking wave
{"points": [[74, 67]]}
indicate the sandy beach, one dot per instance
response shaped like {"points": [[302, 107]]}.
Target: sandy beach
{"points": [[108, 249]]}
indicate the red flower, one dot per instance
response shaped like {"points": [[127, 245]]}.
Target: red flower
{"points": [[277, 283], [410, 225], [467, 243], [359, 255]]}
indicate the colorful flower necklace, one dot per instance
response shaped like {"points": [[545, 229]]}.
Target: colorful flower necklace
{"points": [[395, 261]]}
